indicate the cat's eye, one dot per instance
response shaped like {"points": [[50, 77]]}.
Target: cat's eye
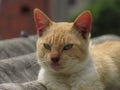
{"points": [[47, 46], [67, 47]]}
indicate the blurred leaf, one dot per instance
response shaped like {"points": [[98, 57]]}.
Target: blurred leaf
{"points": [[106, 17]]}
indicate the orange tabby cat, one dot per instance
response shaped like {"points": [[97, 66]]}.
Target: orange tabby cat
{"points": [[66, 59]]}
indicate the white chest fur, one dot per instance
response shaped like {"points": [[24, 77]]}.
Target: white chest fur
{"points": [[86, 79]]}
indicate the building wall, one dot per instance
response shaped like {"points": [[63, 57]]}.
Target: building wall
{"points": [[17, 16]]}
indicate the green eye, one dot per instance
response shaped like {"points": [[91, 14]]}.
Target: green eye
{"points": [[47, 46], [67, 47]]}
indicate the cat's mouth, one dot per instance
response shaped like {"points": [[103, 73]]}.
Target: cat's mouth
{"points": [[56, 66]]}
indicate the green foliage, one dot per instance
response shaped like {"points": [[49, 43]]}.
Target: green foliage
{"points": [[106, 17]]}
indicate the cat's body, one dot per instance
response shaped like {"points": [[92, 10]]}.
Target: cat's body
{"points": [[106, 58], [68, 62]]}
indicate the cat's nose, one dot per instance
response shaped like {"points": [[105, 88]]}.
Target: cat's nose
{"points": [[55, 59]]}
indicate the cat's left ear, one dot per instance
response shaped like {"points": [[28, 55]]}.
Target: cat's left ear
{"points": [[83, 24], [41, 20]]}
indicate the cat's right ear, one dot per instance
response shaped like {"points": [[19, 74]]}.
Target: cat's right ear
{"points": [[41, 20], [83, 24]]}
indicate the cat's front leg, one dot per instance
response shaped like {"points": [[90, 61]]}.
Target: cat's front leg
{"points": [[56, 86], [95, 85]]}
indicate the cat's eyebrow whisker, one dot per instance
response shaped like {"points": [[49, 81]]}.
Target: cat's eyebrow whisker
{"points": [[42, 61]]}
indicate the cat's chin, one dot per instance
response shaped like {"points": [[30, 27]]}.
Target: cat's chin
{"points": [[56, 66]]}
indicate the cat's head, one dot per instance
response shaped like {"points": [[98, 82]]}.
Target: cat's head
{"points": [[63, 46]]}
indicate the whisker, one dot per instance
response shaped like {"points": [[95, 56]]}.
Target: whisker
{"points": [[41, 61]]}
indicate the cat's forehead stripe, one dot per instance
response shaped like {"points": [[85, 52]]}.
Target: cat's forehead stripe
{"points": [[57, 37], [59, 33], [61, 27]]}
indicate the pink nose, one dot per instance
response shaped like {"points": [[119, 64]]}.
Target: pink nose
{"points": [[55, 59]]}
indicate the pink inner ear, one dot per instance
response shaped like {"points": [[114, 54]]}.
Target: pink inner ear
{"points": [[83, 24], [41, 21]]}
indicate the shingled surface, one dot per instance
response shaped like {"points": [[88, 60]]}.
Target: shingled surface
{"points": [[18, 46]]}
